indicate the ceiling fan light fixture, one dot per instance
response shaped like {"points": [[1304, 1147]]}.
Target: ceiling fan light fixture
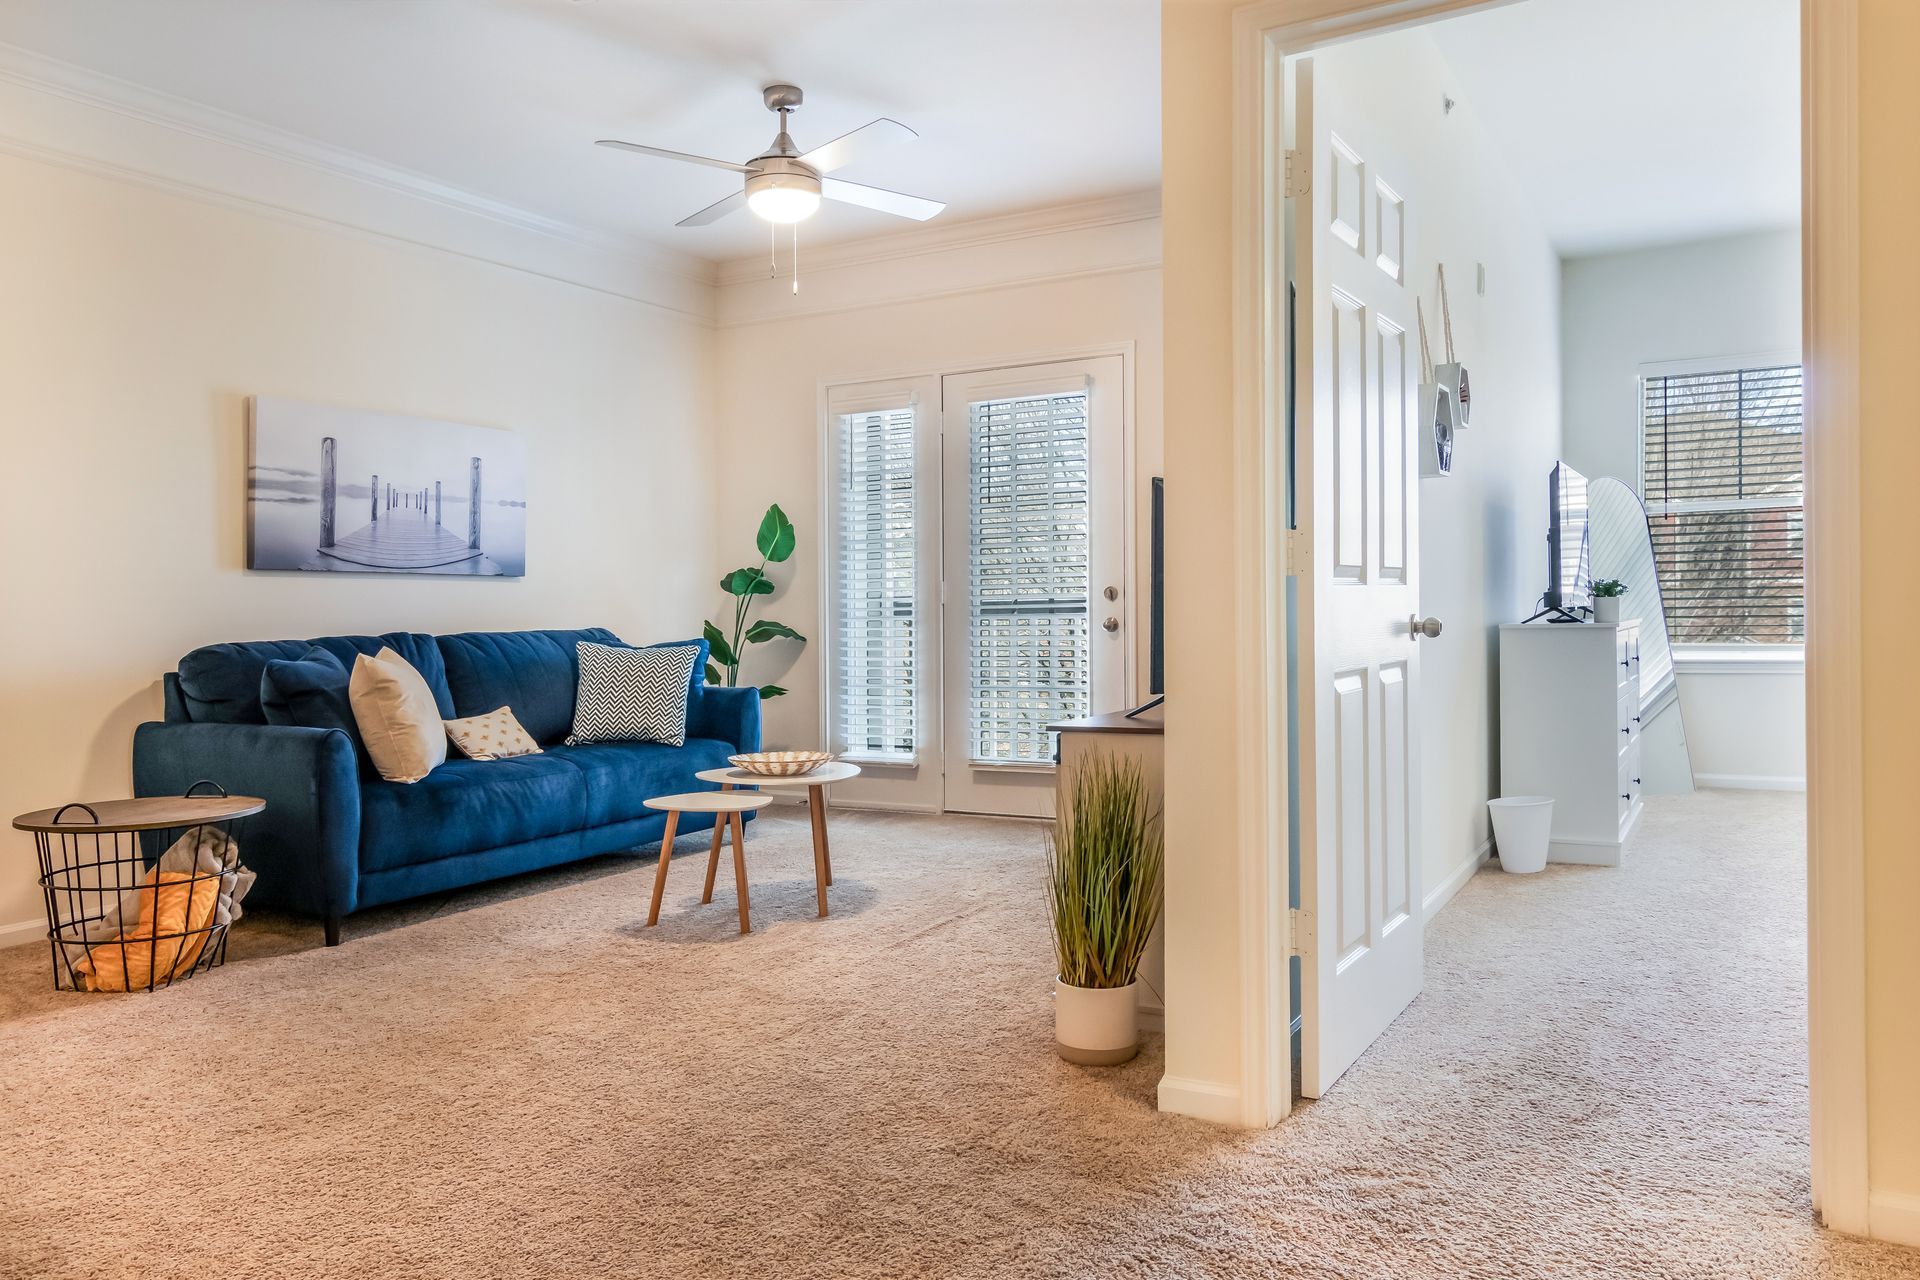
{"points": [[783, 197]]}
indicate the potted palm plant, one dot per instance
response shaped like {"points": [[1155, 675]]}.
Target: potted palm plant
{"points": [[1104, 859]]}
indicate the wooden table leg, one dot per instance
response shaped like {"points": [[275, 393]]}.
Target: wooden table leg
{"points": [[666, 856], [713, 855], [822, 875], [740, 873]]}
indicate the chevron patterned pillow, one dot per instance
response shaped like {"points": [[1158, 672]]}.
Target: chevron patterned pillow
{"points": [[632, 695]]}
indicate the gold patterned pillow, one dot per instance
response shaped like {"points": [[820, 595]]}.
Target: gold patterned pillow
{"points": [[493, 736]]}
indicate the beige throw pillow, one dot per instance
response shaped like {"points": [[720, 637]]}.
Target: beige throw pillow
{"points": [[398, 718], [493, 736]]}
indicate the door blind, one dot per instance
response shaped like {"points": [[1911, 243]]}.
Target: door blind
{"points": [[1721, 476], [1030, 577], [876, 624]]}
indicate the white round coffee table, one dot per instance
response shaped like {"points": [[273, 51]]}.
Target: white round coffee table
{"points": [[727, 806], [816, 784]]}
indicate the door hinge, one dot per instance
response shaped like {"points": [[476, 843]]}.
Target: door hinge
{"points": [[1299, 555], [1299, 931], [1298, 179]]}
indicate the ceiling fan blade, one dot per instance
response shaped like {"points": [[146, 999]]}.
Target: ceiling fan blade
{"points": [[849, 147], [664, 154], [714, 212], [875, 198]]}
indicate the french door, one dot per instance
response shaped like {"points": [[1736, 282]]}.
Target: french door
{"points": [[977, 579]]}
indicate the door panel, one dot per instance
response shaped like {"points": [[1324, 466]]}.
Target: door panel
{"points": [[1034, 517], [1357, 505]]}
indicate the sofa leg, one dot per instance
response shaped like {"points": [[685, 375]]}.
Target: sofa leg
{"points": [[333, 931]]}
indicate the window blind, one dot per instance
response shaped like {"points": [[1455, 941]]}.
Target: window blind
{"points": [[876, 624], [1721, 476], [1030, 576]]}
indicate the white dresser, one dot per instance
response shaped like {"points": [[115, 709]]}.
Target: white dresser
{"points": [[1570, 729]]}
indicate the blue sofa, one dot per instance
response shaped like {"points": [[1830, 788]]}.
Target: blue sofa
{"points": [[336, 838]]}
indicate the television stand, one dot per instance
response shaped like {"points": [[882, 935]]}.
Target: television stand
{"points": [[1560, 615]]}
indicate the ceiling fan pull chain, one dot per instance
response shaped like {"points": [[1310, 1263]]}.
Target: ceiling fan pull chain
{"points": [[796, 256], [773, 263]]}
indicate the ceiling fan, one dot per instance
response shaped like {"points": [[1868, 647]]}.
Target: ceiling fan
{"points": [[785, 184]]}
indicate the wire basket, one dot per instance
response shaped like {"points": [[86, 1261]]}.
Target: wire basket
{"points": [[139, 893]]}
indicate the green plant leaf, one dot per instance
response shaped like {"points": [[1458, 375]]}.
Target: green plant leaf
{"points": [[771, 691], [766, 629], [717, 645], [713, 674], [776, 536], [747, 582]]}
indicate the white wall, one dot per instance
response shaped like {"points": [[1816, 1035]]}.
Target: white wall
{"points": [[1482, 553], [138, 321], [1733, 296], [974, 295]]}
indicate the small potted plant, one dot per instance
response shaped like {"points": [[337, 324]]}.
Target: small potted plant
{"points": [[1104, 859], [1606, 599]]}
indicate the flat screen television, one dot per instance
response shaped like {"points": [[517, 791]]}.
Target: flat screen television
{"points": [[1569, 571]]}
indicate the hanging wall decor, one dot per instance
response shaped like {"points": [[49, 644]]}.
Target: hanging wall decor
{"points": [[1453, 375], [1436, 420], [346, 491]]}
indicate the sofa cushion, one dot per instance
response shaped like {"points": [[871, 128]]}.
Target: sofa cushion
{"points": [[622, 776], [221, 682], [311, 692], [533, 672], [698, 682], [466, 806], [403, 729], [632, 695]]}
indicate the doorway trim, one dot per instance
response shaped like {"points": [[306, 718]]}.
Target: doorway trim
{"points": [[1266, 33]]}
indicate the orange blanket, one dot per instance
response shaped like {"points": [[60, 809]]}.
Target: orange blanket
{"points": [[174, 902]]}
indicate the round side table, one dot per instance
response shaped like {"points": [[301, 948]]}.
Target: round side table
{"points": [[728, 806], [816, 784]]}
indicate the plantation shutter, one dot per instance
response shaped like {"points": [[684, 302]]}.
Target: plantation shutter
{"points": [[1721, 477], [1029, 582], [876, 624]]}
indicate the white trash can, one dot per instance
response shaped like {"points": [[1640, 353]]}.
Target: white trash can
{"points": [[1522, 826]]}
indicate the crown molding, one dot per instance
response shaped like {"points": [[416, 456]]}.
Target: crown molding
{"points": [[960, 234], [102, 124]]}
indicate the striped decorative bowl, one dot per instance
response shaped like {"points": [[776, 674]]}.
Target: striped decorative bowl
{"points": [[780, 764]]}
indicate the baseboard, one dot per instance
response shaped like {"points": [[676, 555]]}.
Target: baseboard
{"points": [[18, 935], [1748, 782], [1891, 1217], [1201, 1099], [1585, 853], [1441, 894]]}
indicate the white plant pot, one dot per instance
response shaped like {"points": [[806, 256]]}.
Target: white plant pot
{"points": [[1096, 1026], [1606, 609]]}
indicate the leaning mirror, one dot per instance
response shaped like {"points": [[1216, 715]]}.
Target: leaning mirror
{"points": [[1621, 546]]}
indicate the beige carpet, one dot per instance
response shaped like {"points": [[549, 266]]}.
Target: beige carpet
{"points": [[1604, 1078]]}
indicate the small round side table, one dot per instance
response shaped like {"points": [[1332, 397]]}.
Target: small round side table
{"points": [[816, 784], [727, 806]]}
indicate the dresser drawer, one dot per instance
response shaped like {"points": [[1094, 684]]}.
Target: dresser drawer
{"points": [[1629, 789]]}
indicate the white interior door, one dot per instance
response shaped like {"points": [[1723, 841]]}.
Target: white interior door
{"points": [[1357, 492], [1034, 519]]}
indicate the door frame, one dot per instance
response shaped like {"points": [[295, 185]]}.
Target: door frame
{"points": [[1137, 593], [1264, 35]]}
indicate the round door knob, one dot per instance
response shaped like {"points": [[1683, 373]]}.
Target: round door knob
{"points": [[1428, 627], [1111, 624]]}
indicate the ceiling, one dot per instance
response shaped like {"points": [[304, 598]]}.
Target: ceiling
{"points": [[1018, 104], [1640, 122]]}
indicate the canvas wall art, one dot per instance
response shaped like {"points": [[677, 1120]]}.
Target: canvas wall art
{"points": [[347, 491]]}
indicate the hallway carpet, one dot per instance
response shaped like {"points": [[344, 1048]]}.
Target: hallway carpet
{"points": [[1604, 1077]]}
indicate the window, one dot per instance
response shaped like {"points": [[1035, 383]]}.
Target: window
{"points": [[1029, 579], [876, 624], [1722, 482]]}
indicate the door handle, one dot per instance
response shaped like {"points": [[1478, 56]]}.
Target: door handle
{"points": [[1428, 627], [1111, 624]]}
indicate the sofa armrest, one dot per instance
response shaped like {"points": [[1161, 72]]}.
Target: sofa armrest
{"points": [[729, 715], [306, 844]]}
